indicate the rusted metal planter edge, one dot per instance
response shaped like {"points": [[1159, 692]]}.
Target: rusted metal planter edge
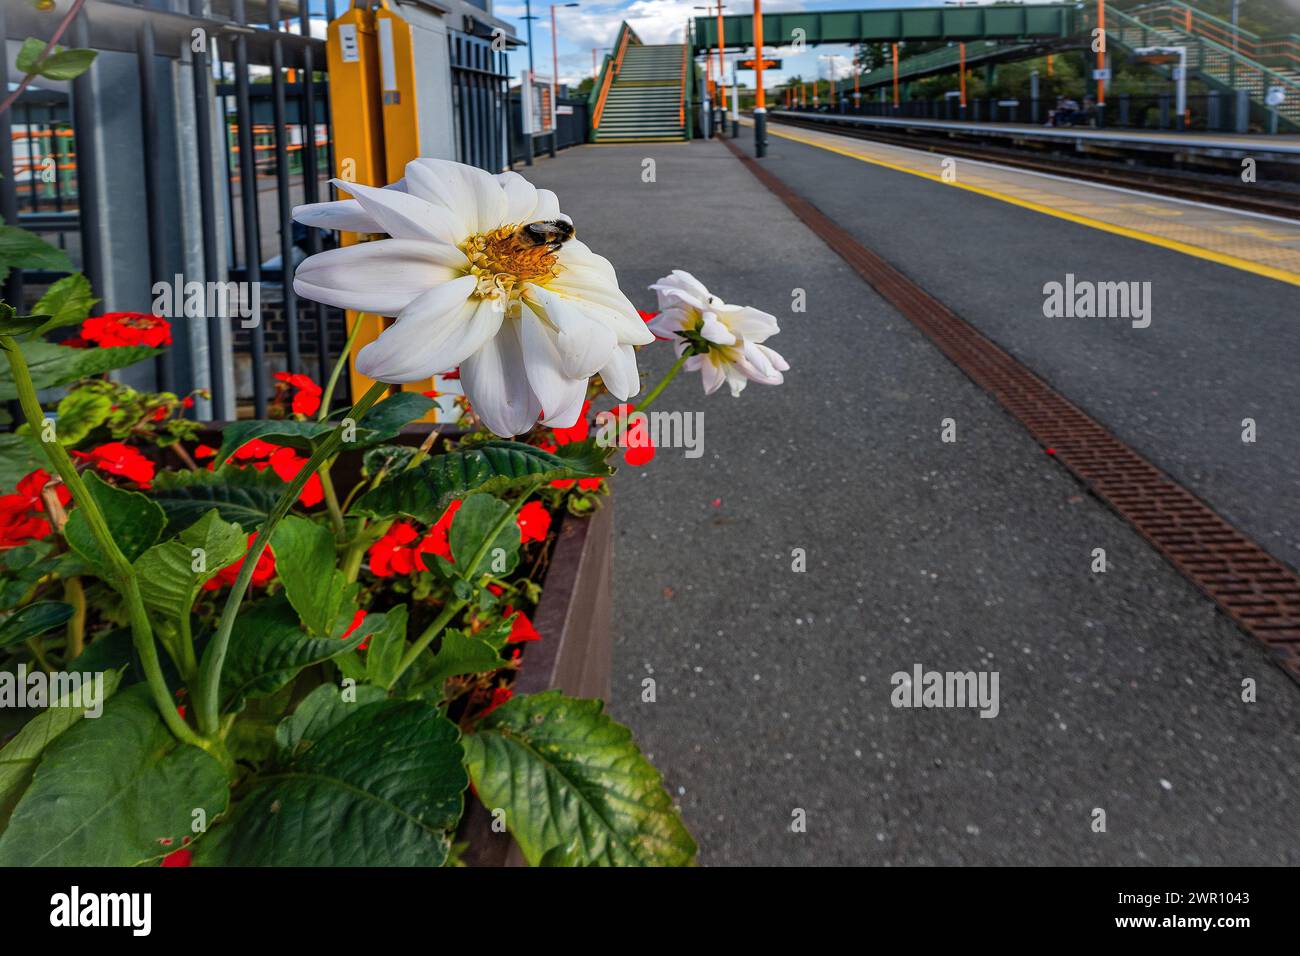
{"points": [[574, 655]]}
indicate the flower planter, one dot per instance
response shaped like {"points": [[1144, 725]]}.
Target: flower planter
{"points": [[575, 653]]}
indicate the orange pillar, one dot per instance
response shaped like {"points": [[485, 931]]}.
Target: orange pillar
{"points": [[1050, 62], [895, 49], [963, 75], [1101, 51], [760, 99]]}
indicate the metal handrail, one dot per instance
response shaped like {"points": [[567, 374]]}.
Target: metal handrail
{"points": [[625, 35]]}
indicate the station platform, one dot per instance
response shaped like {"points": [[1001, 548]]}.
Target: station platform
{"points": [[1119, 688], [1224, 145], [1256, 243]]}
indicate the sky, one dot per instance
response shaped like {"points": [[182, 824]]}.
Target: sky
{"points": [[594, 24]]}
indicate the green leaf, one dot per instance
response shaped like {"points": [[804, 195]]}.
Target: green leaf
{"points": [[268, 648], [67, 64], [320, 712], [133, 520], [29, 55], [305, 560], [19, 756], [575, 789], [67, 302], [462, 654], [382, 787], [11, 323], [475, 519], [384, 652], [379, 424], [20, 249], [33, 620], [288, 432], [169, 582], [424, 492], [20, 455], [54, 365], [79, 413], [242, 495], [116, 791], [386, 419]]}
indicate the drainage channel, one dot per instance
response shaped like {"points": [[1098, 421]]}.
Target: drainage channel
{"points": [[1259, 593]]}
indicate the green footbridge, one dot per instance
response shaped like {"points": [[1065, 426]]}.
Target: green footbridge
{"points": [[642, 93], [1223, 59]]}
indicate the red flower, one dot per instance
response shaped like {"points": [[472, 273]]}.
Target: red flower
{"points": [[636, 438], [182, 857], [521, 629], [117, 458], [393, 554], [575, 432], [356, 623], [263, 571], [21, 514], [534, 521], [204, 451], [499, 697], [286, 463], [253, 448], [437, 541], [306, 400], [115, 329], [584, 484], [646, 316]]}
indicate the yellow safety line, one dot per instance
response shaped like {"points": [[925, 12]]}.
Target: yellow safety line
{"points": [[1235, 262]]}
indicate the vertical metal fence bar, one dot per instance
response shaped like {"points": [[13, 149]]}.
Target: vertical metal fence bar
{"points": [[248, 203], [310, 180], [13, 284], [208, 209], [285, 207], [153, 198], [83, 123]]}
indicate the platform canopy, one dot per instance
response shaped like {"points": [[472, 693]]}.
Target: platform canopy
{"points": [[1010, 22]]}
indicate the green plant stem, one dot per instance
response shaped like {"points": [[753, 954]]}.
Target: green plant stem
{"points": [[75, 595], [663, 383], [207, 703], [38, 652], [424, 640], [120, 568], [328, 395], [450, 611], [332, 499]]}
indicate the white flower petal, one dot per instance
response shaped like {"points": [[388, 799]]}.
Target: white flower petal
{"points": [[714, 331], [521, 198], [547, 207], [435, 333], [778, 363], [496, 381], [584, 344], [473, 196], [380, 277], [402, 215], [545, 367], [620, 374], [750, 324], [345, 215]]}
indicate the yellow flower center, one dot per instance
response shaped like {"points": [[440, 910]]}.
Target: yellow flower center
{"points": [[502, 260]]}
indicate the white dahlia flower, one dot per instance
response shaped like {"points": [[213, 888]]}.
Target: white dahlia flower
{"points": [[723, 342], [481, 272]]}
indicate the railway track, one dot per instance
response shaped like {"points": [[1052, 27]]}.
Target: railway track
{"points": [[1228, 193]]}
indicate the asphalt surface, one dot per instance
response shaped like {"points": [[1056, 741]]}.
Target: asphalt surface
{"points": [[1118, 691], [1222, 345]]}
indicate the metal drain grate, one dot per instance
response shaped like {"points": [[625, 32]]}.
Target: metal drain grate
{"points": [[1260, 593]]}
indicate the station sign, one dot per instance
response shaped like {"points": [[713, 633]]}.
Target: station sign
{"points": [[751, 63], [1101, 74], [538, 104], [1276, 96]]}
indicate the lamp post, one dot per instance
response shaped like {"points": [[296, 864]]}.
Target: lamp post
{"points": [[760, 102], [526, 96], [555, 78]]}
